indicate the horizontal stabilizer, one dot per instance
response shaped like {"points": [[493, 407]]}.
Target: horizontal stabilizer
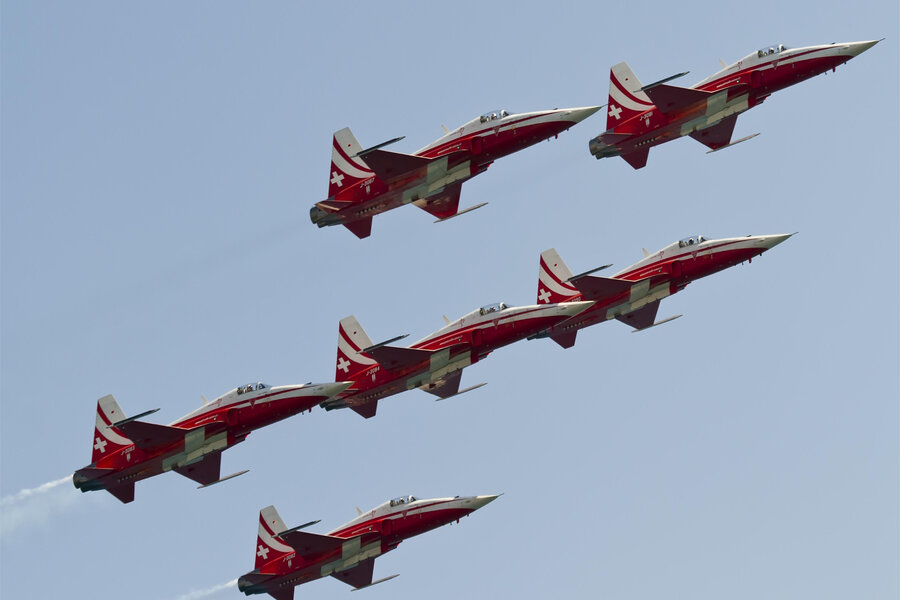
{"points": [[148, 436], [135, 417], [125, 493], [306, 543], [395, 357], [717, 136], [389, 166], [359, 576], [662, 81], [204, 472], [361, 228], [600, 288], [580, 275], [638, 158], [366, 409], [382, 580], [381, 145], [299, 527], [670, 99], [565, 339], [285, 593], [371, 347]]}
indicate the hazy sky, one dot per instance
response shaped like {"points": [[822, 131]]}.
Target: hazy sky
{"points": [[158, 165]]}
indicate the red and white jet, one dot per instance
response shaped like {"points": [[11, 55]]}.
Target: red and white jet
{"points": [[364, 183], [286, 558], [642, 116], [632, 295], [126, 450], [433, 364]]}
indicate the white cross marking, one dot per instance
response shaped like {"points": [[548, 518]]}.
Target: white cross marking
{"points": [[100, 445], [615, 111], [343, 364], [263, 552], [544, 296], [337, 178]]}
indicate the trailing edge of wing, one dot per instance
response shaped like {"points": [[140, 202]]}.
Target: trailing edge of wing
{"points": [[147, 436], [388, 165], [306, 543], [394, 357], [599, 288], [670, 99]]}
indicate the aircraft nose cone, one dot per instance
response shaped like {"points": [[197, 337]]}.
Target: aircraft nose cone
{"points": [[857, 48], [479, 501], [770, 241], [577, 115]]}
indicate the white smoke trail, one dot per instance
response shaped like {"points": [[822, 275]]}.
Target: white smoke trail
{"points": [[195, 594], [34, 505]]}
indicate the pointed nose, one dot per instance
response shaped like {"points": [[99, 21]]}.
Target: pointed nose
{"points": [[479, 501], [770, 241], [577, 115], [857, 48], [570, 309]]}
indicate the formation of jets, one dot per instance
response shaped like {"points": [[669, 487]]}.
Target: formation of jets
{"points": [[286, 558], [366, 182]]}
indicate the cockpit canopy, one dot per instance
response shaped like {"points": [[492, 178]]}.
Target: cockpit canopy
{"points": [[403, 500], [243, 389], [771, 50], [493, 115], [691, 241], [490, 308]]}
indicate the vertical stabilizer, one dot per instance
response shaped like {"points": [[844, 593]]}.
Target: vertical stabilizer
{"points": [[268, 547], [553, 276], [624, 99], [346, 168], [107, 439], [352, 339]]}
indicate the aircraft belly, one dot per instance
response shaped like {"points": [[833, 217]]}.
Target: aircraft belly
{"points": [[636, 302], [351, 555], [436, 180], [196, 446], [717, 109], [440, 369]]}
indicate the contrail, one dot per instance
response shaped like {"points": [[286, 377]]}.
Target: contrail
{"points": [[195, 594], [34, 505]]}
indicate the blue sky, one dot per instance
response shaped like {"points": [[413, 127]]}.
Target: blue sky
{"points": [[158, 164]]}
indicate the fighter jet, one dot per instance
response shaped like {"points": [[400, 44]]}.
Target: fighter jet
{"points": [[286, 558], [632, 296], [126, 450], [433, 364], [364, 183], [642, 116]]}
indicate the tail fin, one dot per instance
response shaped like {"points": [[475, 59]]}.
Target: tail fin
{"points": [[624, 99], [346, 168], [268, 548], [352, 339], [108, 439], [553, 276]]}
